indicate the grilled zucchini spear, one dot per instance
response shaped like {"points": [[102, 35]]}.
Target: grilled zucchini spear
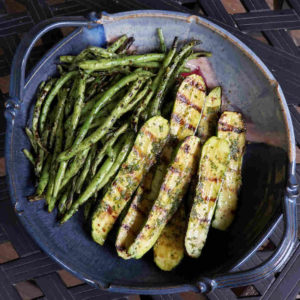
{"points": [[170, 195], [213, 164], [186, 114], [208, 122], [169, 248], [232, 128], [148, 144]]}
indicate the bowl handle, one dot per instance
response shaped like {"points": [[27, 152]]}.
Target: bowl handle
{"points": [[18, 67], [275, 262]]}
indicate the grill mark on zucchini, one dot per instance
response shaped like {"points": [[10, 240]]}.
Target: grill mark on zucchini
{"points": [[149, 134], [188, 107], [197, 85], [229, 127], [136, 208], [212, 199], [138, 151], [186, 101], [180, 121]]}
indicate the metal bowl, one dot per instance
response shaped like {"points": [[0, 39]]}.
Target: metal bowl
{"points": [[268, 171]]}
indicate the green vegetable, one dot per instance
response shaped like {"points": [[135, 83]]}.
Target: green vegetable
{"points": [[163, 47], [160, 94], [45, 109], [104, 64], [29, 156], [122, 108]]}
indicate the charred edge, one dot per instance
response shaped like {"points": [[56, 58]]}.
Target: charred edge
{"points": [[110, 211], [212, 179], [212, 199], [137, 209], [165, 188], [129, 229], [203, 220], [181, 122], [138, 152], [121, 248], [196, 85], [161, 209], [174, 170], [186, 101], [227, 127], [186, 148], [150, 135]]}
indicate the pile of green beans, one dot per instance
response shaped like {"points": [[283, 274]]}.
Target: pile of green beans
{"points": [[84, 122]]}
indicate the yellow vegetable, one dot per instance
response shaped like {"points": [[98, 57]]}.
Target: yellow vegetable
{"points": [[209, 119], [187, 110], [213, 164], [148, 144], [232, 128], [169, 248]]}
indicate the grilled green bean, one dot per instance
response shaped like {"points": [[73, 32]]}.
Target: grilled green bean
{"points": [[41, 153], [148, 64], [70, 100], [99, 104], [35, 198], [104, 64], [29, 156], [125, 46], [71, 123], [74, 167], [31, 139], [155, 84], [99, 157], [182, 69], [52, 198], [140, 96], [81, 56], [62, 96], [108, 169], [62, 207], [117, 44], [163, 47], [88, 207], [85, 170], [156, 104], [79, 98], [37, 108], [66, 59], [44, 177], [101, 52], [45, 109]]}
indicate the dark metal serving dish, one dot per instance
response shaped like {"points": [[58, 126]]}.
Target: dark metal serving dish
{"points": [[268, 171]]}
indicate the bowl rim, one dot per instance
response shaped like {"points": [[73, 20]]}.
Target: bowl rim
{"points": [[106, 19]]}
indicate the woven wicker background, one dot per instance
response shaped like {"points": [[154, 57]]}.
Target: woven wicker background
{"points": [[270, 28]]}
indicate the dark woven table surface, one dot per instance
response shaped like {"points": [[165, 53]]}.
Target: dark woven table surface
{"points": [[270, 28]]}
